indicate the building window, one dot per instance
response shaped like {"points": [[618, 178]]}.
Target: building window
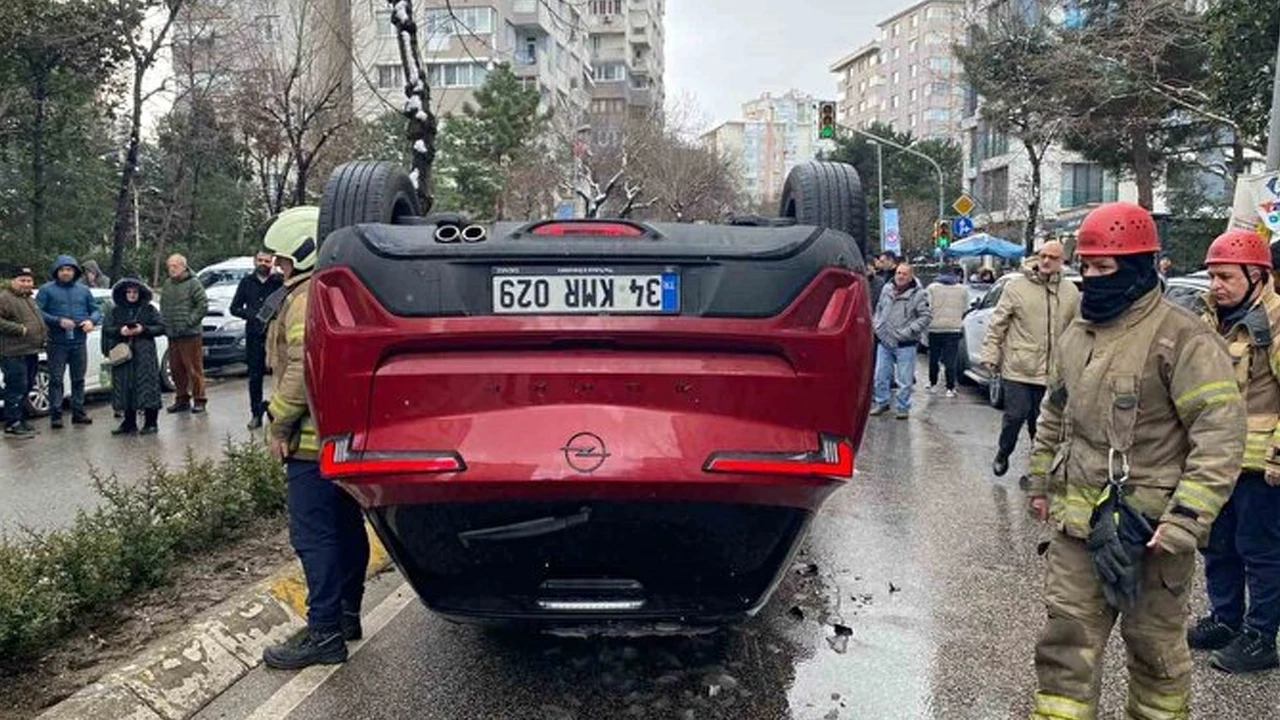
{"points": [[911, 120], [1086, 184], [897, 53], [915, 20], [382, 19], [895, 29], [937, 115], [940, 64], [605, 7], [461, 21], [893, 104], [609, 72], [915, 70], [914, 47], [390, 76], [896, 77], [456, 74], [939, 88], [268, 27], [995, 189], [911, 96], [862, 86]]}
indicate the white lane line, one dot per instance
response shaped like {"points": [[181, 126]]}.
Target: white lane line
{"points": [[288, 698]]}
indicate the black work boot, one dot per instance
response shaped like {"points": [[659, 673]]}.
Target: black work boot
{"points": [[179, 406], [1211, 634], [81, 419], [255, 422], [311, 647], [351, 629], [128, 427], [1251, 651], [55, 422], [1000, 465], [17, 432], [149, 424], [198, 406]]}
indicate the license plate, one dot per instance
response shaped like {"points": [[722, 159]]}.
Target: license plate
{"points": [[519, 291]]}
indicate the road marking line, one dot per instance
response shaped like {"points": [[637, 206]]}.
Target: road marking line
{"points": [[306, 682]]}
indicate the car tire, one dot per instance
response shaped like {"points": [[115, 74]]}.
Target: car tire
{"points": [[366, 192], [166, 373], [962, 363], [827, 194], [995, 392], [37, 400]]}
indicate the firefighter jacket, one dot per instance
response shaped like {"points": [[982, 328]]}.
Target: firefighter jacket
{"points": [[286, 336], [1155, 387], [1022, 338], [1254, 346]]}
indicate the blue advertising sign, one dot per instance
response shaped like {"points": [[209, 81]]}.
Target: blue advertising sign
{"points": [[889, 240]]}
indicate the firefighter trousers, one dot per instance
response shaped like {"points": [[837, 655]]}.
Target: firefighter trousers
{"points": [[1069, 652]]}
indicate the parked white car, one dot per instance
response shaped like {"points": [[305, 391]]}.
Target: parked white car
{"points": [[98, 376]]}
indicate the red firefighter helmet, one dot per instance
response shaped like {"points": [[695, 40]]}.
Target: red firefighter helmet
{"points": [[1117, 228], [1239, 247]]}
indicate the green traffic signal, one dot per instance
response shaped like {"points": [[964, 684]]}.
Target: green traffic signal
{"points": [[827, 120]]}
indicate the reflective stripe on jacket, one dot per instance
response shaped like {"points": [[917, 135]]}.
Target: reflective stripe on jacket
{"points": [[1156, 381], [1254, 346], [286, 342]]}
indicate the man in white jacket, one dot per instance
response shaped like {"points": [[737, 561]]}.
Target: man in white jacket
{"points": [[948, 301]]}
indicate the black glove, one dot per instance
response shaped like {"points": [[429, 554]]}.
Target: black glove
{"points": [[1118, 536]]}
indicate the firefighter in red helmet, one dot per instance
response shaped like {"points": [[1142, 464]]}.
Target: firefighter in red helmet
{"points": [[1244, 544], [1137, 449]]}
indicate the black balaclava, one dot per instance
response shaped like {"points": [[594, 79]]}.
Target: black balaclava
{"points": [[1229, 315], [1106, 297]]}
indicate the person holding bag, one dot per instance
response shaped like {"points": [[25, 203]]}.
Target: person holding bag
{"points": [[135, 365]]}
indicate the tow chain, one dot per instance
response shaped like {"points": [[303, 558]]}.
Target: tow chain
{"points": [[422, 127]]}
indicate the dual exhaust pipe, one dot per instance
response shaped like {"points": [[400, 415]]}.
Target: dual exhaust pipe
{"points": [[454, 233]]}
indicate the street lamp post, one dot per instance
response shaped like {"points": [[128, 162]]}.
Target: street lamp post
{"points": [[1273, 130], [936, 167], [880, 183]]}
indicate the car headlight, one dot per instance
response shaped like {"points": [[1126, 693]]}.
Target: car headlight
{"points": [[231, 326]]}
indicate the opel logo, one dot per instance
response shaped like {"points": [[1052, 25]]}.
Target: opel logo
{"points": [[585, 452]]}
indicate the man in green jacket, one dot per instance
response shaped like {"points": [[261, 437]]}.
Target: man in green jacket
{"points": [[22, 336], [183, 305]]}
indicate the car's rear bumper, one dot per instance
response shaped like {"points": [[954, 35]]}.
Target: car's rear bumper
{"points": [[612, 561]]}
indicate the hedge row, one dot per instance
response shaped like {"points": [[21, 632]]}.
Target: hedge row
{"points": [[50, 581]]}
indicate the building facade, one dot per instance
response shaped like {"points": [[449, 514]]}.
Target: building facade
{"points": [[627, 56], [908, 77], [774, 134]]}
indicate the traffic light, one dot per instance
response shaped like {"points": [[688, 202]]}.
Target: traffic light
{"points": [[942, 235], [827, 120]]}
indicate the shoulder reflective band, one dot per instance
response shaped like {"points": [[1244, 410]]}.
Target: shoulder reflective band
{"points": [[337, 460], [833, 458]]}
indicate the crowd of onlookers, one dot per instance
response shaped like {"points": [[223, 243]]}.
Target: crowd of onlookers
{"points": [[57, 317]]}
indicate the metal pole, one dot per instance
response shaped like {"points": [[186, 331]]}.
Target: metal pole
{"points": [[936, 167], [880, 182], [1273, 131]]}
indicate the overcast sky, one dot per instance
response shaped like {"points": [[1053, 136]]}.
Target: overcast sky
{"points": [[725, 52]]}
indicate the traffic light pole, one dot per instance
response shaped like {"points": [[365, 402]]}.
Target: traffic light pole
{"points": [[942, 202]]}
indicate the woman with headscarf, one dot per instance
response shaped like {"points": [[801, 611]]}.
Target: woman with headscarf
{"points": [[135, 382]]}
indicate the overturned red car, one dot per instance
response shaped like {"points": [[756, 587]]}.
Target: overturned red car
{"points": [[583, 421]]}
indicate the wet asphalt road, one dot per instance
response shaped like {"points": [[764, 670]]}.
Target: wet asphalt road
{"points": [[45, 480], [925, 560]]}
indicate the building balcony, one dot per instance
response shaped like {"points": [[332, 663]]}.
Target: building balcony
{"points": [[531, 15]]}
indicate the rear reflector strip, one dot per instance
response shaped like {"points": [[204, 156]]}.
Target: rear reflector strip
{"points": [[605, 229], [590, 605], [337, 460], [833, 459]]}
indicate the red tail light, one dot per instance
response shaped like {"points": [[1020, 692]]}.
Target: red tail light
{"points": [[337, 460], [833, 458], [606, 229]]}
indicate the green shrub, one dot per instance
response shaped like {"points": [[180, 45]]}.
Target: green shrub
{"points": [[50, 581]]}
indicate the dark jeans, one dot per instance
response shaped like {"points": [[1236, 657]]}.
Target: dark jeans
{"points": [[326, 529], [1244, 552], [62, 358], [944, 350], [1021, 406], [255, 356], [19, 376]]}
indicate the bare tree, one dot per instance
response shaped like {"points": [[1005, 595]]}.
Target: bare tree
{"points": [[144, 47]]}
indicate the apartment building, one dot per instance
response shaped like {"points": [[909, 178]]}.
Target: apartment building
{"points": [[544, 41], [229, 43], [627, 55], [774, 134], [908, 76]]}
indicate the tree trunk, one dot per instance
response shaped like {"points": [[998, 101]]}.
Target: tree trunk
{"points": [[40, 94], [1144, 173], [123, 224], [1037, 189], [1237, 159]]}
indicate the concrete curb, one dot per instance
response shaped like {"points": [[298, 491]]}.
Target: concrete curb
{"points": [[178, 675]]}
